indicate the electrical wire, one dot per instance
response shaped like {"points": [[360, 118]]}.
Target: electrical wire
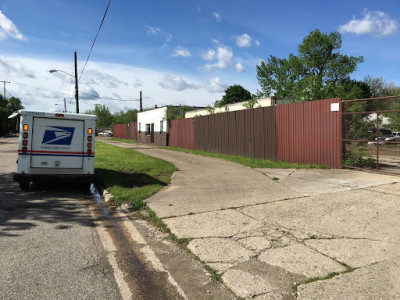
{"points": [[95, 38]]}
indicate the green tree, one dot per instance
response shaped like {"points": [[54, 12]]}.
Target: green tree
{"points": [[313, 74], [7, 107], [177, 112], [234, 94], [380, 88], [104, 116]]}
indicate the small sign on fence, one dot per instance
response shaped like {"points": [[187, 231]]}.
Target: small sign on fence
{"points": [[334, 106]]}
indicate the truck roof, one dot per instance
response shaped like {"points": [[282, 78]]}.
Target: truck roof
{"points": [[46, 114]]}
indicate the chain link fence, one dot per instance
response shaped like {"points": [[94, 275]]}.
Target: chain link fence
{"points": [[371, 134]]}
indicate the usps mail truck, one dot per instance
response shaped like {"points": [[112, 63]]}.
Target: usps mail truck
{"points": [[55, 146]]}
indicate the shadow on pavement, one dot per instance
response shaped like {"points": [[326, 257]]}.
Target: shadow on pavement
{"points": [[50, 203]]}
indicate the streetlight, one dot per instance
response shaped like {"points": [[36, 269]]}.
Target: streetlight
{"points": [[76, 82]]}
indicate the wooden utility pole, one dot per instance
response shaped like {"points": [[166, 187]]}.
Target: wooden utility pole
{"points": [[141, 104], [76, 85], [4, 82]]}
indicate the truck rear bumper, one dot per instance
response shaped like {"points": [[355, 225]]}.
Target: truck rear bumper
{"points": [[81, 178]]}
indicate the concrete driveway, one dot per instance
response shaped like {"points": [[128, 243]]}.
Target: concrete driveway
{"points": [[286, 234]]}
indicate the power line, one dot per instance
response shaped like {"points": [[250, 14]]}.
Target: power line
{"points": [[95, 38]]}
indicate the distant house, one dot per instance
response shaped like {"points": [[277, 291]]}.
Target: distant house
{"points": [[231, 107], [153, 125]]}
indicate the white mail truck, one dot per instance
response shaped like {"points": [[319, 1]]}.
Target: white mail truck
{"points": [[55, 146]]}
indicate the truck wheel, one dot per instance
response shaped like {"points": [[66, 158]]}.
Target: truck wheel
{"points": [[24, 185]]}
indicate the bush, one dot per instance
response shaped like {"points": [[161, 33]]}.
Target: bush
{"points": [[359, 159]]}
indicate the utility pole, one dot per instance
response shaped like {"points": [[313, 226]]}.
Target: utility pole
{"points": [[141, 106], [76, 85], [4, 82], [65, 105]]}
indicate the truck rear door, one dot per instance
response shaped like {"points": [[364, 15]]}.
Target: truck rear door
{"points": [[57, 143]]}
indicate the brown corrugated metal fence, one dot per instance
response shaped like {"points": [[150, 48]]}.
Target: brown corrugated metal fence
{"points": [[132, 131], [309, 133], [120, 131], [246, 132], [181, 133], [126, 131]]}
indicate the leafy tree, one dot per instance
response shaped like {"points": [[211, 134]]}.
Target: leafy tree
{"points": [[7, 107], [380, 88], [131, 115], [234, 94], [314, 73], [177, 112], [104, 116], [122, 117], [251, 103]]}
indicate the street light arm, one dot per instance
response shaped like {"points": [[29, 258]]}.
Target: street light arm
{"points": [[53, 71]]}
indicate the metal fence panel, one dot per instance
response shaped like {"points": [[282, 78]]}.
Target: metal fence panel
{"points": [[309, 133]]}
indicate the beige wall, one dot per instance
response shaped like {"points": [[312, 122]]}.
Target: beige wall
{"points": [[231, 107]]}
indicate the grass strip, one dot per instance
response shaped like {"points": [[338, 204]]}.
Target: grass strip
{"points": [[123, 140], [250, 162], [130, 176]]}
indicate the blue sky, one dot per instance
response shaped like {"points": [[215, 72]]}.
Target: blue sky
{"points": [[177, 51]]}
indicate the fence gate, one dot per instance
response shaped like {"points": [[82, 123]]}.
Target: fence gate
{"points": [[371, 134]]}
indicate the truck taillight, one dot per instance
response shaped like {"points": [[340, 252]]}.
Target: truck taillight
{"points": [[89, 138], [25, 135], [26, 127], [90, 131], [24, 149], [24, 143], [89, 152], [89, 145], [59, 115]]}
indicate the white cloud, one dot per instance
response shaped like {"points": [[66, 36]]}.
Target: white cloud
{"points": [[88, 93], [181, 52], [44, 91], [217, 16], [221, 59], [8, 28], [239, 67], [246, 41], [153, 30], [158, 31], [176, 83], [216, 86], [209, 55], [374, 23], [12, 67]]}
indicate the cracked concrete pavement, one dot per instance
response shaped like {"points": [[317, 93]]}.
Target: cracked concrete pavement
{"points": [[268, 231]]}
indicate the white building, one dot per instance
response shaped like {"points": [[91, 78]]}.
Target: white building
{"points": [[264, 102]]}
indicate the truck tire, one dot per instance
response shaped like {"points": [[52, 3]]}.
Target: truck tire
{"points": [[24, 185]]}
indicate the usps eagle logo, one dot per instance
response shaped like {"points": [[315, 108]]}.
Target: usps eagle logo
{"points": [[56, 135]]}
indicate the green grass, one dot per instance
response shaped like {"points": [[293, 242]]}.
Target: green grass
{"points": [[250, 162], [123, 140], [130, 176]]}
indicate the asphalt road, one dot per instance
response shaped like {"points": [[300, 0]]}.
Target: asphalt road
{"points": [[48, 242], [59, 242]]}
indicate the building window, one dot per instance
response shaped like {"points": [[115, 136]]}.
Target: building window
{"points": [[148, 132], [161, 126], [140, 127]]}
